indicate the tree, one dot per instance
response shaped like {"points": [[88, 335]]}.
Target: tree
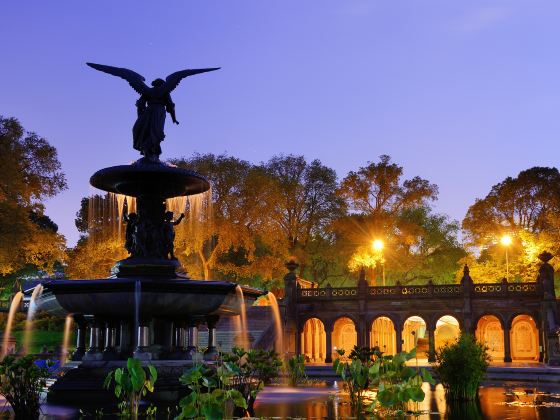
{"points": [[304, 203], [101, 242], [234, 239], [383, 205], [526, 208], [30, 172]]}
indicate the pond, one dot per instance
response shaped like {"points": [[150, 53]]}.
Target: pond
{"points": [[497, 401], [322, 400]]}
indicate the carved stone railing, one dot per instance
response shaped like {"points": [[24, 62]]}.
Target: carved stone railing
{"points": [[479, 290]]}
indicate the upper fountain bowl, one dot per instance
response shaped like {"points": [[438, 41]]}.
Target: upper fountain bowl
{"points": [[149, 179]]}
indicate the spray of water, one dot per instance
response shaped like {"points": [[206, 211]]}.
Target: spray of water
{"points": [[16, 301], [30, 315], [243, 318], [66, 340], [279, 341], [137, 299]]}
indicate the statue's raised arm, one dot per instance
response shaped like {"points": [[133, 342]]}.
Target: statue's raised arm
{"points": [[154, 102]]}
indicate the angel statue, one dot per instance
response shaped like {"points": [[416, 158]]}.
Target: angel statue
{"points": [[154, 101]]}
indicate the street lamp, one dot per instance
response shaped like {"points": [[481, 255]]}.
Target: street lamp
{"points": [[378, 247], [506, 242]]}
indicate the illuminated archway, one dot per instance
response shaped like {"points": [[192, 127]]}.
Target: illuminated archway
{"points": [[447, 331], [489, 331], [383, 335], [344, 335], [524, 339], [414, 334], [313, 341]]}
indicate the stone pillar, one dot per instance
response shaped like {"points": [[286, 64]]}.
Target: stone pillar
{"points": [[212, 351], [329, 347], [142, 342], [93, 352], [507, 345], [80, 338], [432, 345], [109, 352], [398, 333], [192, 340], [290, 338]]}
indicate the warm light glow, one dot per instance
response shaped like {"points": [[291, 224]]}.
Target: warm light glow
{"points": [[506, 240], [378, 245]]}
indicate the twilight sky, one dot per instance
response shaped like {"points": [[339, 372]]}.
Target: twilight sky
{"points": [[462, 92]]}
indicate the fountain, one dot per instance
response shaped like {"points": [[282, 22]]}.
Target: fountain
{"points": [[148, 308]]}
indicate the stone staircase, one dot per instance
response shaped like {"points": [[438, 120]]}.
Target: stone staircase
{"points": [[259, 324]]}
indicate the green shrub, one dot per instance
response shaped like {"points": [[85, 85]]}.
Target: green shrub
{"points": [[296, 369], [21, 382], [131, 384], [461, 366]]}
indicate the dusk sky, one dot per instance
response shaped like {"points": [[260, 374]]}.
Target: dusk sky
{"points": [[463, 93]]}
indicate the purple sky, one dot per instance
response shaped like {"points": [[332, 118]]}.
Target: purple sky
{"points": [[463, 93]]}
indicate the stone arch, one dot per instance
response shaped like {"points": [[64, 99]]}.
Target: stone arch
{"points": [[447, 330], [344, 335], [490, 331], [383, 335], [414, 334], [524, 339], [313, 341]]}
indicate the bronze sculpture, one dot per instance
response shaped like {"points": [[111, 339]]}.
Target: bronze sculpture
{"points": [[154, 102]]}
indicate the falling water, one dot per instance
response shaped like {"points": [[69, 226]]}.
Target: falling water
{"points": [[66, 340], [238, 340], [177, 205], [278, 343], [137, 298], [8, 331], [243, 318], [105, 213], [30, 315]]}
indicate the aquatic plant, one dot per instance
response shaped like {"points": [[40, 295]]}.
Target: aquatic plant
{"points": [[257, 367], [212, 395], [295, 368], [378, 383], [131, 384], [461, 366], [21, 382]]}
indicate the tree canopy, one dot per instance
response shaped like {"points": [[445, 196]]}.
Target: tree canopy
{"points": [[30, 172], [525, 207]]}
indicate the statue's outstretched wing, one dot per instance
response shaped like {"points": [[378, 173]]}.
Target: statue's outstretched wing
{"points": [[134, 79], [173, 80]]}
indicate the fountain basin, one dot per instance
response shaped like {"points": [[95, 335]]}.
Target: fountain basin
{"points": [[166, 298], [149, 179]]}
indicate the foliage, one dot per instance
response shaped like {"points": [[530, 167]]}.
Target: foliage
{"points": [[101, 244], [234, 238], [211, 392], [303, 201], [131, 384], [396, 383], [461, 366], [355, 375], [30, 173], [419, 244], [257, 367], [296, 369], [525, 207], [21, 382]]}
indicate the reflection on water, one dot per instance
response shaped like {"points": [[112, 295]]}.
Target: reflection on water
{"points": [[325, 400]]}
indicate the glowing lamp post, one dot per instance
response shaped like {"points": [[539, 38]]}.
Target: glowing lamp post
{"points": [[506, 242], [378, 247]]}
